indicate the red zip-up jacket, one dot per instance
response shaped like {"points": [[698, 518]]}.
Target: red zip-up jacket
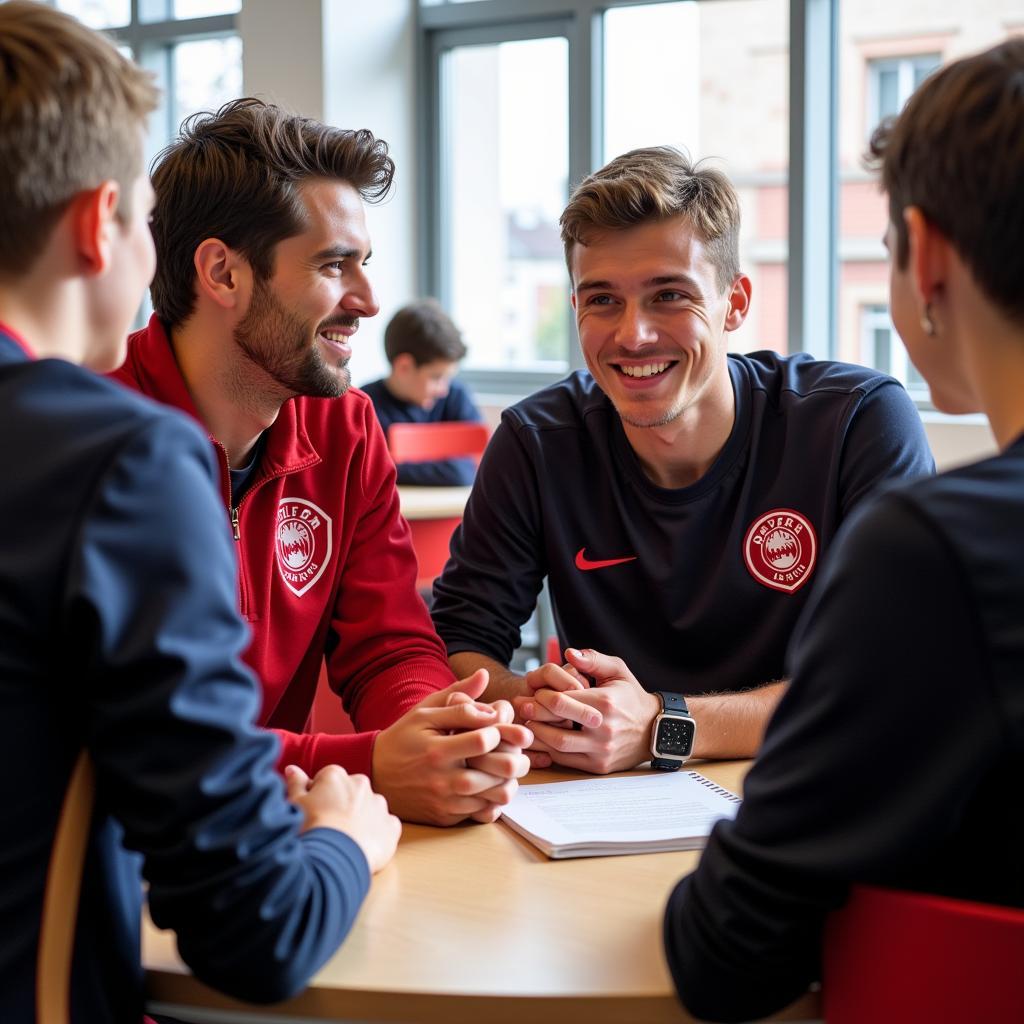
{"points": [[325, 566]]}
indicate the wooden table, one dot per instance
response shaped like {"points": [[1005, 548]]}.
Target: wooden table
{"points": [[474, 924], [433, 502]]}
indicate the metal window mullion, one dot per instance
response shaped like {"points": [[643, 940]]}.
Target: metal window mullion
{"points": [[813, 178]]}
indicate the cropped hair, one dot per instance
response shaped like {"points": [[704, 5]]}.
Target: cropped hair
{"points": [[236, 175], [656, 184], [426, 332], [73, 114], [956, 152]]}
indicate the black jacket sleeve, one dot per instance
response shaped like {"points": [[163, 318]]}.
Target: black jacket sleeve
{"points": [[880, 660], [151, 606], [490, 585]]}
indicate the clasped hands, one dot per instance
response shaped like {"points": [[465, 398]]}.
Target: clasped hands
{"points": [[601, 728], [452, 757]]}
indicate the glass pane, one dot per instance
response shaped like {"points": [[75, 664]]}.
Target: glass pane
{"points": [[205, 8], [923, 67], [888, 93], [883, 342], [99, 13], [713, 79], [206, 73], [168, 10], [920, 37], [506, 167]]}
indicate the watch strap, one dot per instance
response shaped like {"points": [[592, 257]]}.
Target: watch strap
{"points": [[672, 702]]}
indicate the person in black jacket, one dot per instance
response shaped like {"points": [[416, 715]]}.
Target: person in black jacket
{"points": [[897, 755], [128, 714]]}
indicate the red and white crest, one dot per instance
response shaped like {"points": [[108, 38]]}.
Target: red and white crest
{"points": [[781, 549], [302, 543]]}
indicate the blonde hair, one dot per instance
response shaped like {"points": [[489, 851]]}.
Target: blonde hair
{"points": [[656, 184], [72, 111]]}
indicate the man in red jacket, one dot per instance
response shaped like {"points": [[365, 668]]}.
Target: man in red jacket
{"points": [[262, 249]]}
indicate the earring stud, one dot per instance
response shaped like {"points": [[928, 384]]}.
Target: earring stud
{"points": [[927, 323]]}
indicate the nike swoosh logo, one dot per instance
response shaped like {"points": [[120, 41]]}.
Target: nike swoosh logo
{"points": [[584, 563]]}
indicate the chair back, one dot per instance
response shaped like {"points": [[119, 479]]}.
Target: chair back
{"points": [[424, 442], [911, 957]]}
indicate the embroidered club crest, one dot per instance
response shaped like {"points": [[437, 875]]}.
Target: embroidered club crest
{"points": [[781, 549], [302, 543]]}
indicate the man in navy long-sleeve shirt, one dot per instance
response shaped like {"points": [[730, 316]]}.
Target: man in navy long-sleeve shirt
{"points": [[128, 713], [424, 347]]}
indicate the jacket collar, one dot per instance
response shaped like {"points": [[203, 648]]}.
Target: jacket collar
{"points": [[11, 335], [153, 368]]}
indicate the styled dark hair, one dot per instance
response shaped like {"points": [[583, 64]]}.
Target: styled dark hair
{"points": [[72, 114], [655, 184], [426, 332], [235, 175], [956, 151]]}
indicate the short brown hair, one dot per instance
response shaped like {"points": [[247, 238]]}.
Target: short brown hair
{"points": [[72, 113], [656, 184], [957, 152], [426, 332], [235, 175]]}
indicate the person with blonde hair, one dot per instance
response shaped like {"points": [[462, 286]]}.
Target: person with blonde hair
{"points": [[677, 497], [130, 746], [911, 652]]}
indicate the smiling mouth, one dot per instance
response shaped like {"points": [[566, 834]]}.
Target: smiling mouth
{"points": [[339, 337], [644, 370]]}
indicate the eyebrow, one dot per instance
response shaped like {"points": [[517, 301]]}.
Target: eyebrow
{"points": [[339, 252], [651, 282]]}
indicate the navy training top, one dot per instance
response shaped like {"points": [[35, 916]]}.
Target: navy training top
{"points": [[119, 633], [697, 589], [910, 656], [457, 406]]}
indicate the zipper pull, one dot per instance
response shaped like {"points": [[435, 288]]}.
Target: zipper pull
{"points": [[234, 523]]}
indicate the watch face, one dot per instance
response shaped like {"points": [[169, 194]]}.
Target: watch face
{"points": [[675, 737]]}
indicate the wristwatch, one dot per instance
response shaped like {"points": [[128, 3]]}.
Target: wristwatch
{"points": [[673, 733]]}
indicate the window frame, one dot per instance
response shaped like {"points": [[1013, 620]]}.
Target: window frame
{"points": [[152, 41], [813, 257]]}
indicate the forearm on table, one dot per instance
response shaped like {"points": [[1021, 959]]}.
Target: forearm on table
{"points": [[503, 684], [731, 725]]}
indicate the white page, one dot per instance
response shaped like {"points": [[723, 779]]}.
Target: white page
{"points": [[636, 809]]}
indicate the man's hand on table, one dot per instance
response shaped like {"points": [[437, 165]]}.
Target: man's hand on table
{"points": [[451, 757], [335, 799], [614, 716]]}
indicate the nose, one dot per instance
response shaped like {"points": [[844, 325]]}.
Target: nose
{"points": [[359, 298], [635, 328]]}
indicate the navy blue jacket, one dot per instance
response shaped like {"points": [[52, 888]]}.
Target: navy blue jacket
{"points": [[119, 634], [457, 405], [897, 754], [697, 589]]}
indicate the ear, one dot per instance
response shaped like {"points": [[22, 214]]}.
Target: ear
{"points": [[928, 259], [572, 300], [94, 224], [739, 302], [222, 275], [403, 363]]}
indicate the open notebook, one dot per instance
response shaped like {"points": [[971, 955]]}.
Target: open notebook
{"points": [[636, 814]]}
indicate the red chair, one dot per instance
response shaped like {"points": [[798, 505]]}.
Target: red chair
{"points": [[554, 652], [910, 958], [424, 442]]}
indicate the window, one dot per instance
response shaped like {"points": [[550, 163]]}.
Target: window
{"points": [[891, 80], [885, 52], [523, 100], [881, 347], [191, 46], [503, 104]]}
